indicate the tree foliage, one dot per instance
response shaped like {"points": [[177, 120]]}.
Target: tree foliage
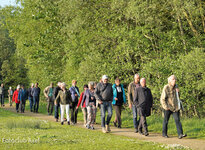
{"points": [[83, 39]]}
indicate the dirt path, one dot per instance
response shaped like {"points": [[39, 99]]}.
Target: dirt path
{"points": [[195, 144]]}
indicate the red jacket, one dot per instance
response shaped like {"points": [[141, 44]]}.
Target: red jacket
{"points": [[80, 100], [15, 97]]}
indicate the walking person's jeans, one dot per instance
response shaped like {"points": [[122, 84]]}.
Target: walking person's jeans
{"points": [[36, 103], [74, 112], [17, 107], [2, 99], [134, 112], [22, 105], [106, 106], [167, 114], [57, 111], [31, 102]]}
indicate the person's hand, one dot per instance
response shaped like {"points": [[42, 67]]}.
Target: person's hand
{"points": [[130, 106], [177, 89], [76, 94], [55, 103], [77, 108], [100, 102], [116, 98], [92, 98]]}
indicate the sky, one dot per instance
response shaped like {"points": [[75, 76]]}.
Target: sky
{"points": [[3, 3]]}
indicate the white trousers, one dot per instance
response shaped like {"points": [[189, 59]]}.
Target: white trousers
{"points": [[63, 108]]}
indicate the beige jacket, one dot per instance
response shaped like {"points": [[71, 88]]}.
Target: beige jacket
{"points": [[168, 98], [131, 91]]}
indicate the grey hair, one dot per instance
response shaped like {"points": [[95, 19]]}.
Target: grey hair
{"points": [[63, 84], [32, 84], [172, 76], [136, 75], [91, 83], [142, 79], [59, 83]]}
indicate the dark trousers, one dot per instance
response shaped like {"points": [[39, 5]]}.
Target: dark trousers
{"points": [[167, 114], [57, 107], [17, 107], [135, 121], [2, 99], [74, 112], [36, 103], [142, 122], [31, 103], [50, 105], [22, 105], [106, 106], [118, 110]]}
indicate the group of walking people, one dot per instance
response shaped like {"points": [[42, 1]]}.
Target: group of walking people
{"points": [[105, 96]]}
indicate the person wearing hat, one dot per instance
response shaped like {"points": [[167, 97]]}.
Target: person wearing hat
{"points": [[64, 99], [104, 96], [15, 98]]}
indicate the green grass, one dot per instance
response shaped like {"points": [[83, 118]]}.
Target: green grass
{"points": [[194, 127], [51, 135]]}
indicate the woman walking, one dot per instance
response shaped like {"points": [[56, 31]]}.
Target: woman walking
{"points": [[90, 102], [118, 100], [15, 98], [64, 98]]}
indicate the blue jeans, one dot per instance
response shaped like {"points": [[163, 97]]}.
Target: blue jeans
{"points": [[36, 103], [176, 116], [31, 102], [106, 106], [134, 112], [57, 111], [2, 99]]}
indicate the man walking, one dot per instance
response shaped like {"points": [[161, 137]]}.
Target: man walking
{"points": [[131, 90], [48, 92], [36, 96], [30, 96], [171, 105], [104, 95], [57, 104], [74, 94], [143, 101], [22, 96], [2, 94]]}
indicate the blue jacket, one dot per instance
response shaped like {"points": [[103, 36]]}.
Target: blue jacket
{"points": [[73, 92], [115, 94], [23, 95]]}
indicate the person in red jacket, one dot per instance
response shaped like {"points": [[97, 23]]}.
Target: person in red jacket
{"points": [[15, 98], [83, 107]]}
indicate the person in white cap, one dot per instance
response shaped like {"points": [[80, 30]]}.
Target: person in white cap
{"points": [[104, 96]]}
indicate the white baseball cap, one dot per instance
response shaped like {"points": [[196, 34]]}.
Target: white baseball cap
{"points": [[104, 77]]}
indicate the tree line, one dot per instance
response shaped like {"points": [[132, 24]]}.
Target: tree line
{"points": [[63, 40]]}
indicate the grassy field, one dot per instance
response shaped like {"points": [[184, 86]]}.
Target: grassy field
{"points": [[21, 132], [194, 127]]}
